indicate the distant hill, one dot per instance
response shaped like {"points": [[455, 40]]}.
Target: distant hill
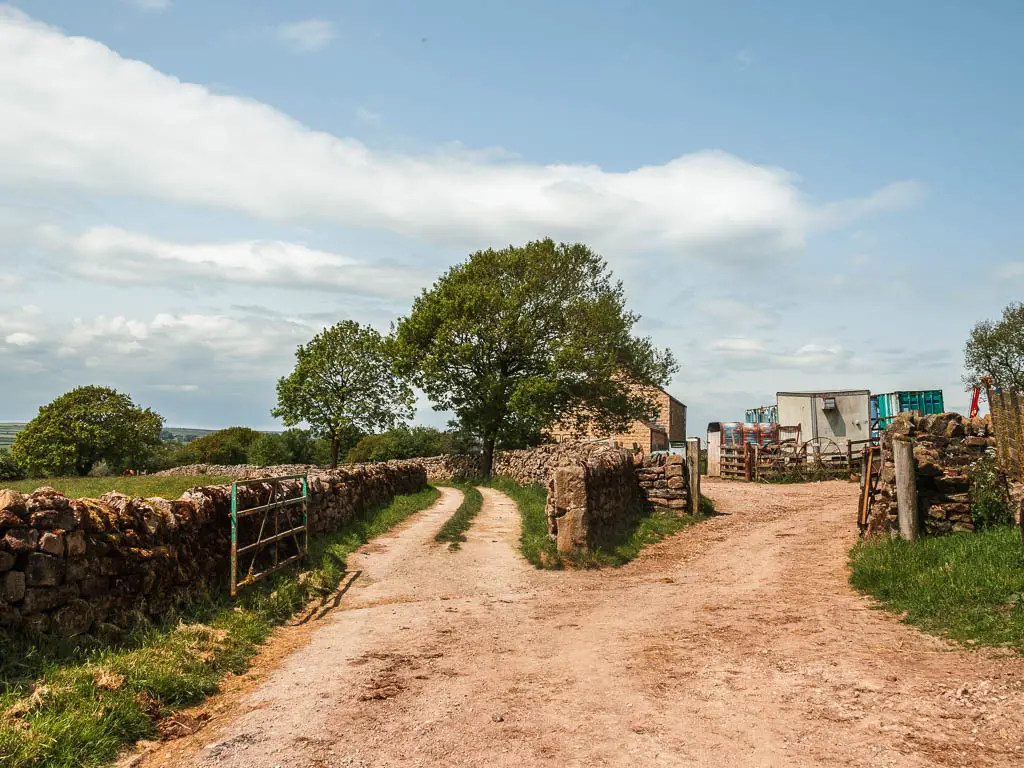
{"points": [[8, 429], [183, 434]]}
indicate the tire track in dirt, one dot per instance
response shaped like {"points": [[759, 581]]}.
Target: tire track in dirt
{"points": [[736, 642]]}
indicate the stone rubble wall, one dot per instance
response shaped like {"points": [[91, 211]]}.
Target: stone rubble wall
{"points": [[451, 466], [663, 482], [72, 567], [945, 445], [528, 466], [237, 470], [591, 499], [586, 498]]}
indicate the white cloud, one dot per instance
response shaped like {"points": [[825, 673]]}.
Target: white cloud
{"points": [[366, 115], [78, 116], [176, 387], [1010, 270], [20, 339], [149, 5], [307, 35], [755, 354], [9, 281], [112, 255], [164, 347]]}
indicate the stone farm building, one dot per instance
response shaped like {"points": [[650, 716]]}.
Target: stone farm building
{"points": [[665, 428]]}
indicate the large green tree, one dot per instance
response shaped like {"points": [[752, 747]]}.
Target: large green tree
{"points": [[344, 384], [995, 349], [516, 339], [83, 427]]}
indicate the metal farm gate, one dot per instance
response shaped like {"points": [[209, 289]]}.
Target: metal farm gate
{"points": [[282, 529]]}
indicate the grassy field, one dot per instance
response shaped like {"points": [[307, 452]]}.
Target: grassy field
{"points": [[64, 709], [453, 532], [620, 547], [968, 587], [94, 487]]}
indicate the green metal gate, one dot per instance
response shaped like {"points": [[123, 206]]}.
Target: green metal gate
{"points": [[263, 554]]}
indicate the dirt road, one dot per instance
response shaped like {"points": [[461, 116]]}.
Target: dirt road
{"points": [[736, 643]]}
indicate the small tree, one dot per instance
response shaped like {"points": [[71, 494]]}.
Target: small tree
{"points": [[513, 340], [343, 384], [403, 443], [268, 450], [225, 446], [83, 427], [996, 349]]}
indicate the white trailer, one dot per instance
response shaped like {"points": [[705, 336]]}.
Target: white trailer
{"points": [[840, 415]]}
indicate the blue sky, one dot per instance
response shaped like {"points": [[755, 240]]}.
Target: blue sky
{"points": [[797, 195]]}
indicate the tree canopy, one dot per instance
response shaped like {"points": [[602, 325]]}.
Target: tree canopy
{"points": [[226, 446], [344, 386], [995, 349], [83, 427], [405, 443], [516, 339]]}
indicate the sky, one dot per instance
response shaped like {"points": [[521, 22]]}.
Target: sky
{"points": [[797, 195]]}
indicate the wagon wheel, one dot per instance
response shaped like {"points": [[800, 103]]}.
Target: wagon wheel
{"points": [[821, 451], [769, 456], [790, 452]]}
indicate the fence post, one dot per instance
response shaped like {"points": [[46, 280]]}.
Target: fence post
{"points": [[693, 473], [906, 486], [748, 467]]}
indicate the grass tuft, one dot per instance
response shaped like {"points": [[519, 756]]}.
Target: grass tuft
{"points": [[454, 530], [147, 486], [62, 707], [967, 587]]}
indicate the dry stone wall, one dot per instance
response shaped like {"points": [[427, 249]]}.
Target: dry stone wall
{"points": [[663, 482], [591, 499], [237, 470], [73, 567], [945, 445], [528, 466]]}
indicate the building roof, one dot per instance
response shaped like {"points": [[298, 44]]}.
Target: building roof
{"points": [[824, 393]]}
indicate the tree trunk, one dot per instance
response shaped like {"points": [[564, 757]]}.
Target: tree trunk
{"points": [[488, 458], [334, 451]]}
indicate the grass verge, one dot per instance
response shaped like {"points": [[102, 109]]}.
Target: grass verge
{"points": [[61, 708], [620, 545], [967, 587], [453, 532], [93, 487]]}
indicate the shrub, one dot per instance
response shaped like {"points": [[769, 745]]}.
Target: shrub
{"points": [[9, 469], [990, 500], [403, 443], [101, 469], [268, 450], [226, 446]]}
